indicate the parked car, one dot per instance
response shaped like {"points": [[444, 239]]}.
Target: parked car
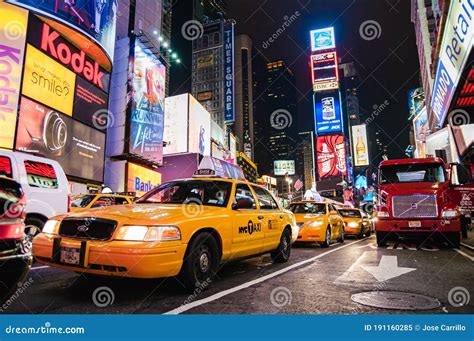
{"points": [[44, 183], [319, 222], [15, 256], [83, 202], [356, 222]]}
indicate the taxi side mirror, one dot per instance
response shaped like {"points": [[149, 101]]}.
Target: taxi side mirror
{"points": [[243, 204], [332, 212]]}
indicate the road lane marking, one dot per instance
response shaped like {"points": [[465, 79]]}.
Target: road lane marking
{"points": [[467, 246], [221, 294], [465, 255], [39, 267], [386, 269]]}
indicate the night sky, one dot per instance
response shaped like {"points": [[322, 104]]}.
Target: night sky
{"points": [[388, 64]]}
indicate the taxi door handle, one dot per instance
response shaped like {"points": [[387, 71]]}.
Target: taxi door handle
{"points": [[260, 217]]}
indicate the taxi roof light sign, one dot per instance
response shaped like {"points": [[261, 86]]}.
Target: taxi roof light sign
{"points": [[212, 167]]}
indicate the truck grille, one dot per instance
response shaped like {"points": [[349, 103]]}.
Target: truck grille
{"points": [[414, 206], [87, 228]]}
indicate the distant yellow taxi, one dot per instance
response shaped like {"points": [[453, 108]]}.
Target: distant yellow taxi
{"points": [[319, 222], [356, 222], [83, 202], [184, 227]]}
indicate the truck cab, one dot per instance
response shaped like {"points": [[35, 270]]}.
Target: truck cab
{"points": [[419, 198]]}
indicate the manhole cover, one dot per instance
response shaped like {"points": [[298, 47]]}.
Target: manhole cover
{"points": [[395, 300]]}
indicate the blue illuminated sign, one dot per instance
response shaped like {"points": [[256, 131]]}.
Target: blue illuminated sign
{"points": [[323, 39], [229, 105], [327, 113]]}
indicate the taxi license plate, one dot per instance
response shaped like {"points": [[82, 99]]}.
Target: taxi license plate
{"points": [[414, 224], [70, 256]]}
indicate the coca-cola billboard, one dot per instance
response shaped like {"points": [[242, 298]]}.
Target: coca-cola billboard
{"points": [[331, 156]]}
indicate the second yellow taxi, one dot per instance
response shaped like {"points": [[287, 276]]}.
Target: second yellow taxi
{"points": [[319, 222], [184, 227]]}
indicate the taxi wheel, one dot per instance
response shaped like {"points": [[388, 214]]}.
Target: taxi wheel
{"points": [[368, 233], [283, 251], [200, 262], [361, 234], [341, 238], [327, 241]]}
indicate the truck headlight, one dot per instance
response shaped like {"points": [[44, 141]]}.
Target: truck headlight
{"points": [[148, 233], [382, 214], [449, 214], [51, 227]]}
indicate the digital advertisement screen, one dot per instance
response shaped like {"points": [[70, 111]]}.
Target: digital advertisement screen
{"points": [[331, 156], [176, 124], [78, 148], [199, 128], [95, 18], [11, 61], [360, 145], [324, 71], [421, 127], [284, 167], [48, 82], [147, 111], [322, 39], [327, 110], [141, 179], [90, 104]]}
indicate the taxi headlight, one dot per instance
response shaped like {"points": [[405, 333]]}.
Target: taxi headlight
{"points": [[148, 233], [317, 223], [353, 224], [51, 227]]}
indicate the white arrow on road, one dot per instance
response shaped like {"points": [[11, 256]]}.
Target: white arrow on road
{"points": [[387, 269]]}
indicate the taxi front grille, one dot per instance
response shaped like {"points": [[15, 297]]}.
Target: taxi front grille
{"points": [[414, 206], [87, 228]]}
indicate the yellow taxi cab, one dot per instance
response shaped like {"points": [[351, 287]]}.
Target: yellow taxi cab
{"points": [[356, 222], [184, 227], [319, 222], [84, 202]]}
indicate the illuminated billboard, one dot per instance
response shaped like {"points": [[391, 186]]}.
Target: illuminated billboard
{"points": [[327, 113], [421, 129], [141, 179], [95, 18], [12, 46], [147, 107], [78, 148], [176, 124], [199, 128], [284, 167], [322, 39], [324, 71], [360, 145], [48, 82], [331, 156]]}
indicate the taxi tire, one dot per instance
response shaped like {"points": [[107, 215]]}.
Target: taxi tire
{"points": [[327, 240], [280, 255], [341, 238], [368, 233], [203, 242]]}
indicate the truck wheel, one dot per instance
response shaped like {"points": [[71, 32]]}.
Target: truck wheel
{"points": [[381, 238], [33, 226], [454, 240], [283, 251], [201, 261]]}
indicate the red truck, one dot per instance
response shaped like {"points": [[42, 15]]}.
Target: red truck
{"points": [[423, 198]]}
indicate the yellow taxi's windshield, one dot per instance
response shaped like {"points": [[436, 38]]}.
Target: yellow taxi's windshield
{"points": [[201, 192], [82, 200], [350, 213], [309, 208]]}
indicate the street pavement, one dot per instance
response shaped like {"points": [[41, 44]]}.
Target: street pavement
{"points": [[315, 281]]}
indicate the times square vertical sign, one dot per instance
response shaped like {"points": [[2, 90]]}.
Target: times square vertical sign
{"points": [[229, 103]]}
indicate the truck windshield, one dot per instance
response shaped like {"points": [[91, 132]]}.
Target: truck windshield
{"points": [[429, 172]]}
